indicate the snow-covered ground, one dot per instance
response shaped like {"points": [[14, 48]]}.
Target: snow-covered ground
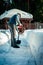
{"points": [[29, 53]]}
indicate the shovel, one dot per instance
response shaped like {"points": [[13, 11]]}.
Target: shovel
{"points": [[19, 41]]}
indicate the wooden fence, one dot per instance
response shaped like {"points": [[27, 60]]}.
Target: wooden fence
{"points": [[36, 25]]}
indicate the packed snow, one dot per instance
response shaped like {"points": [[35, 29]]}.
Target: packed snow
{"points": [[29, 53], [10, 13]]}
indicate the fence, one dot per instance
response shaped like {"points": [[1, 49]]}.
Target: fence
{"points": [[36, 25]]}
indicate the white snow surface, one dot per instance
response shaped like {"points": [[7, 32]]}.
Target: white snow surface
{"points": [[10, 13], [29, 53]]}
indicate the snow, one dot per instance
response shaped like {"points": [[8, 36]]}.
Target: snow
{"points": [[12, 12], [29, 53], [36, 45], [5, 42]]}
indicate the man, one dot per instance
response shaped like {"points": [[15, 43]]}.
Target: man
{"points": [[14, 21]]}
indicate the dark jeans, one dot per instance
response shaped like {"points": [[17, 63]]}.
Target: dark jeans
{"points": [[13, 40]]}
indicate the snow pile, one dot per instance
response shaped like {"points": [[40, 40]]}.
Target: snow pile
{"points": [[36, 45], [5, 40], [38, 30], [12, 12]]}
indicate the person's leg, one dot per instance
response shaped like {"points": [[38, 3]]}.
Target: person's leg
{"points": [[12, 36], [13, 39]]}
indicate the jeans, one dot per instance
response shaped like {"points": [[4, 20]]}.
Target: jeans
{"points": [[13, 40]]}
